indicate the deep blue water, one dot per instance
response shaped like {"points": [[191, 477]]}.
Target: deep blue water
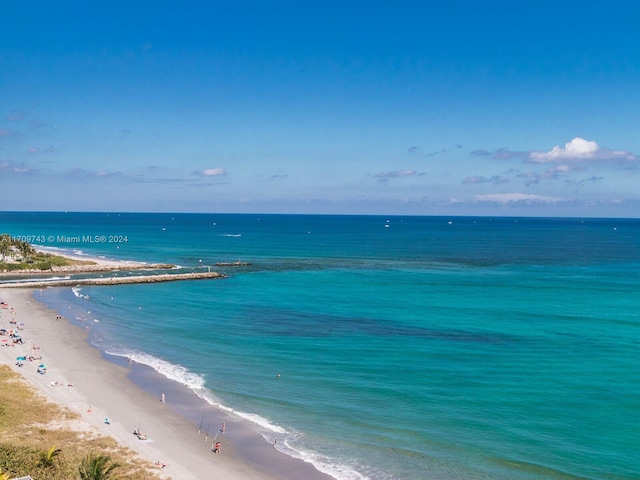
{"points": [[407, 347]]}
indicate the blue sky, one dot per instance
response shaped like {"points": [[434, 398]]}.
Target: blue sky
{"points": [[452, 108]]}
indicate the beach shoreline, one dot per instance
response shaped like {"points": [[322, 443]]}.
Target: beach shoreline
{"points": [[87, 264], [127, 394], [157, 272]]}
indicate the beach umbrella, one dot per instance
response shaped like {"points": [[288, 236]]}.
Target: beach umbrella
{"points": [[21, 358], [42, 365]]}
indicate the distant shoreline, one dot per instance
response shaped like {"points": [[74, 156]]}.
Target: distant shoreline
{"points": [[90, 268], [82, 264], [99, 265]]}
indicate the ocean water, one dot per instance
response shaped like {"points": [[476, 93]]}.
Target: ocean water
{"points": [[386, 347]]}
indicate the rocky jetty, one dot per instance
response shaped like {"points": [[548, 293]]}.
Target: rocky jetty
{"points": [[114, 280]]}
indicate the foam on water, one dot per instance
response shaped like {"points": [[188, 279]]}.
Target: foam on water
{"points": [[74, 252], [177, 373], [76, 292], [322, 463], [28, 280], [284, 440], [195, 382], [258, 420]]}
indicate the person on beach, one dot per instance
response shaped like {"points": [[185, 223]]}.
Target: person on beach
{"points": [[162, 399], [216, 447]]}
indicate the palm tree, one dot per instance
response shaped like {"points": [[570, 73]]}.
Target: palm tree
{"points": [[97, 467], [26, 250], [47, 457], [5, 245]]}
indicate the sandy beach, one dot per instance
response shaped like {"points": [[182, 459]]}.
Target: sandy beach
{"points": [[85, 264], [103, 388]]}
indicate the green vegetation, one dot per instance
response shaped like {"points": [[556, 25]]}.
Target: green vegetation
{"points": [[97, 467], [16, 255], [37, 439], [48, 457], [9, 245]]}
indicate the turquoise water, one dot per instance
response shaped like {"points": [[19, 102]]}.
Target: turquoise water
{"points": [[406, 348]]}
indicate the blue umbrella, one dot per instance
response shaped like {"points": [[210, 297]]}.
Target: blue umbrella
{"points": [[42, 365], [21, 358]]}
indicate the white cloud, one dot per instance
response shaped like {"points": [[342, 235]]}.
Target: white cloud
{"points": [[505, 198], [10, 168], [385, 177], [553, 173], [477, 179], [481, 153], [35, 150], [81, 172], [396, 174], [212, 172], [580, 149]]}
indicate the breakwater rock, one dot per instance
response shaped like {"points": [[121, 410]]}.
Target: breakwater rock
{"points": [[114, 280]]}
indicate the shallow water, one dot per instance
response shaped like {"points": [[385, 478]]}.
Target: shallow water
{"points": [[480, 348]]}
